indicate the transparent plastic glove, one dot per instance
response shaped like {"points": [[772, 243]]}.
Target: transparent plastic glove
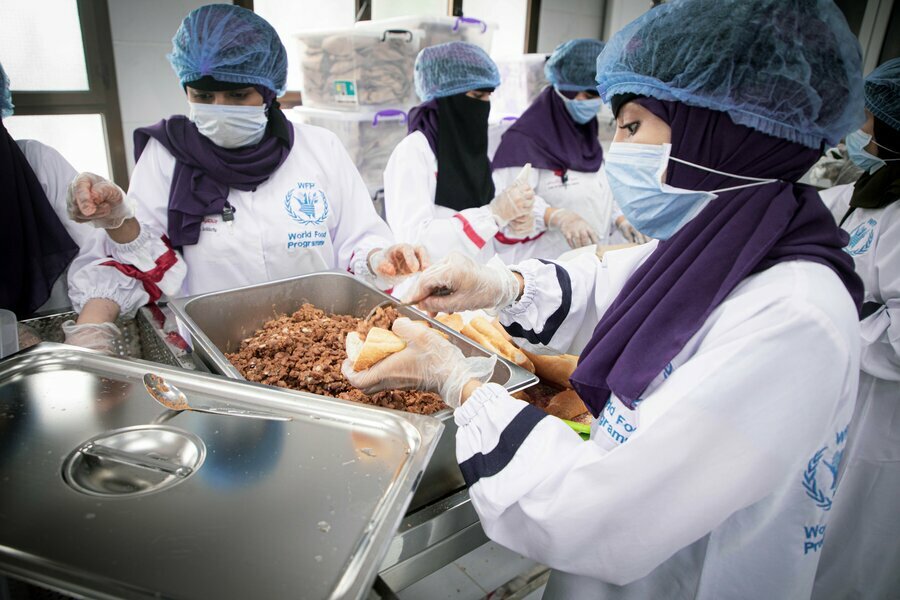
{"points": [[398, 262], [515, 202], [104, 337], [522, 227], [93, 199], [630, 233], [577, 231], [429, 363], [459, 283]]}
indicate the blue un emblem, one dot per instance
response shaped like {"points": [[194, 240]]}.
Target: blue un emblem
{"points": [[306, 204]]}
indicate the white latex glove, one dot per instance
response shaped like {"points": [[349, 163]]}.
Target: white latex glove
{"points": [[93, 199], [630, 233], [398, 262], [104, 337], [459, 283], [515, 201], [522, 227], [577, 231], [429, 363]]}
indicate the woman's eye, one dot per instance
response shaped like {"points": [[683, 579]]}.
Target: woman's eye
{"points": [[631, 127], [239, 95]]}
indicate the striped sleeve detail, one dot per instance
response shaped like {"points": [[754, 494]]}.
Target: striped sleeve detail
{"points": [[470, 231], [556, 319], [485, 465]]}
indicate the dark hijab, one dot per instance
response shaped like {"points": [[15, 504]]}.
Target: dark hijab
{"points": [[742, 232], [548, 138], [204, 172], [456, 128], [881, 188], [36, 247]]}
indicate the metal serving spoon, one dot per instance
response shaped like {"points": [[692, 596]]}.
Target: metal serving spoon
{"points": [[174, 399], [395, 304]]}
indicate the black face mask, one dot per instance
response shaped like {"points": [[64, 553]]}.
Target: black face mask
{"points": [[464, 171]]}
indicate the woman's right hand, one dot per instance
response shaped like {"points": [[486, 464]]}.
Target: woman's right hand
{"points": [[459, 283], [98, 201], [517, 200]]}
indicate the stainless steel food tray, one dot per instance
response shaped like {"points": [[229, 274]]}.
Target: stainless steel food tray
{"points": [[305, 508], [219, 321]]}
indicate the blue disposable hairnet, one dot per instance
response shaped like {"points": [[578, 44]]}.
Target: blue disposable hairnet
{"points": [[788, 68], [231, 44], [883, 93], [573, 65], [6, 105], [453, 68]]}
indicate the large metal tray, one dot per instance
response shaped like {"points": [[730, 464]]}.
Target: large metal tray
{"points": [[217, 322], [305, 508]]}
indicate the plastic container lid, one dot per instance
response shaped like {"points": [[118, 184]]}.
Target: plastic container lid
{"points": [[9, 333]]}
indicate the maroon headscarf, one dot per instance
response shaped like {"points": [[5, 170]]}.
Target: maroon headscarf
{"points": [[548, 138], [742, 232], [204, 172], [35, 245]]}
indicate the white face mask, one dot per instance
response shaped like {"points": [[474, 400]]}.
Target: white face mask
{"points": [[230, 126]]}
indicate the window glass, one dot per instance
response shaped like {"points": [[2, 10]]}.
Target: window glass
{"points": [[289, 18], [43, 51], [80, 139]]}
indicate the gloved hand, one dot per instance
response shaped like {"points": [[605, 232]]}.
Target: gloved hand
{"points": [[104, 337], [459, 283], [629, 232], [576, 230], [517, 200], [429, 363], [522, 227], [398, 262], [93, 199]]}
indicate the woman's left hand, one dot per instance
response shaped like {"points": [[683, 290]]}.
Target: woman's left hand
{"points": [[398, 261]]}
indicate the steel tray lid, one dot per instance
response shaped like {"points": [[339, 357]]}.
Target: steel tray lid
{"points": [[194, 505]]}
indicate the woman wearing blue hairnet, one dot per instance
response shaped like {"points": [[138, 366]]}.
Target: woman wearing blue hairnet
{"points": [[558, 136], [438, 189], [861, 557], [234, 194], [723, 365]]}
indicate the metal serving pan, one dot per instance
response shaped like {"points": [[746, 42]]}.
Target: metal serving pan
{"points": [[217, 322], [105, 494]]}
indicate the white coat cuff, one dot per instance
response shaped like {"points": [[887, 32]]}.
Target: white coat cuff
{"points": [[529, 270], [141, 252]]}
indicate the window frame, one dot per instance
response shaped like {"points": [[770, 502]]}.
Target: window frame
{"points": [[101, 97]]}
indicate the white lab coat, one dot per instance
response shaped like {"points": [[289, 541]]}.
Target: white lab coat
{"points": [[410, 184], [587, 194], [54, 173], [861, 557], [717, 485], [312, 214]]}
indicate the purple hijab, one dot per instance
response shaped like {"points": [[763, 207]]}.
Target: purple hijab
{"points": [[424, 118], [204, 172], [548, 138], [670, 296], [36, 246]]}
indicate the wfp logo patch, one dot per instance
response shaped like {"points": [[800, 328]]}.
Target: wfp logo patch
{"points": [[820, 477], [861, 238], [306, 204]]}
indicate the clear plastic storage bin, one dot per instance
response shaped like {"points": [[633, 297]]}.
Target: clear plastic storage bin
{"points": [[369, 136], [438, 30], [351, 68], [521, 80]]}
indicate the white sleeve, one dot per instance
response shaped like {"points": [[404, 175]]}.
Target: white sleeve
{"points": [[725, 430], [837, 200], [356, 229], [881, 330], [560, 298], [160, 267], [410, 209]]}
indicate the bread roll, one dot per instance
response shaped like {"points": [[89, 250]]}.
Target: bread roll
{"points": [[566, 405], [454, 321], [379, 344], [481, 331], [551, 368]]}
